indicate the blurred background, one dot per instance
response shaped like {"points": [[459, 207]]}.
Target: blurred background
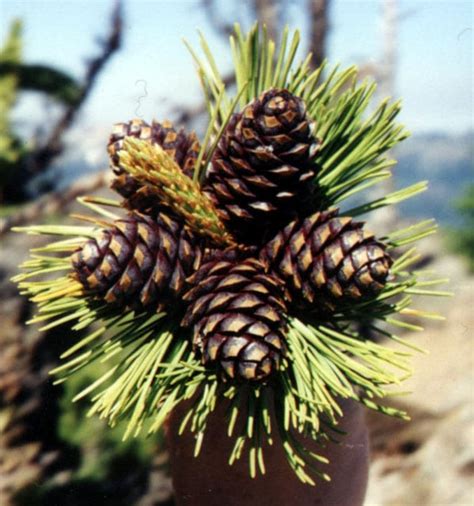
{"points": [[70, 69]]}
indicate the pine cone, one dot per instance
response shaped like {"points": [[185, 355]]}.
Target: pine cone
{"points": [[326, 259], [139, 262], [236, 310], [262, 169], [182, 147]]}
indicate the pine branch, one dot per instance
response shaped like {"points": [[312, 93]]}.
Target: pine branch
{"points": [[351, 158], [152, 365], [54, 201]]}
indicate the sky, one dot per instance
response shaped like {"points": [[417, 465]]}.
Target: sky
{"points": [[154, 71]]}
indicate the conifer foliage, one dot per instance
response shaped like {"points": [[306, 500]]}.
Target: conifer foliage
{"points": [[227, 270]]}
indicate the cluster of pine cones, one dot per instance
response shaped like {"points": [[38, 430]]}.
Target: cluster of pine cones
{"points": [[289, 255]]}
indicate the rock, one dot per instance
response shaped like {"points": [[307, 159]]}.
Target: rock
{"points": [[430, 460]]}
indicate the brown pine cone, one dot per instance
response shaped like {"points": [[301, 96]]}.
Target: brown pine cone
{"points": [[326, 259], [139, 262], [261, 173], [236, 310], [183, 147]]}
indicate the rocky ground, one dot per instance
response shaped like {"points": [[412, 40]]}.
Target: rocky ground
{"points": [[428, 461]]}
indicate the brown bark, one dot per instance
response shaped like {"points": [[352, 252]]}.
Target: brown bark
{"points": [[30, 451], [210, 480], [266, 12], [319, 28], [54, 201]]}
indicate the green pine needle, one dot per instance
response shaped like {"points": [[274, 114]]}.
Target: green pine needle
{"points": [[353, 146], [151, 366]]}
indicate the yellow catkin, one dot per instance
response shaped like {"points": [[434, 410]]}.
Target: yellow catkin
{"points": [[152, 166]]}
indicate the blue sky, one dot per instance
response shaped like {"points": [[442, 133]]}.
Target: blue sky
{"points": [[434, 72]]}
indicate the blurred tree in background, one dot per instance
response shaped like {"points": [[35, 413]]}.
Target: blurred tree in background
{"points": [[16, 77], [21, 160], [273, 13], [462, 238], [11, 148]]}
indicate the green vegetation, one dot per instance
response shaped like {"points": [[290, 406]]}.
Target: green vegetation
{"points": [[461, 239], [101, 446], [16, 77], [11, 147]]}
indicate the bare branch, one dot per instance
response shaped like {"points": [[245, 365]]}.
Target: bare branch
{"points": [[266, 12], [42, 155], [218, 22], [185, 115], [319, 28], [55, 201], [54, 145]]}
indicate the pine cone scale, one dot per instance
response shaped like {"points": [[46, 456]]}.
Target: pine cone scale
{"points": [[183, 148], [263, 164], [327, 258], [235, 310], [139, 261], [258, 180]]}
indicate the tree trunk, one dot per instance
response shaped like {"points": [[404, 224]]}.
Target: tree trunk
{"points": [[266, 12], [29, 449], [319, 27], [211, 481]]}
